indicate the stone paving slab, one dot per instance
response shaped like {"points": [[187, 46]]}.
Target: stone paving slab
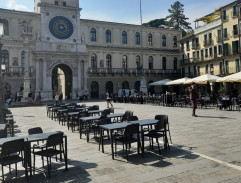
{"points": [[203, 150]]}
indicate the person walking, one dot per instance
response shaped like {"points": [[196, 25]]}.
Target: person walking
{"points": [[193, 97], [108, 99], [56, 99], [60, 97]]}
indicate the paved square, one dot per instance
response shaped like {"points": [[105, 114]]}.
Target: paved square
{"points": [[204, 149]]}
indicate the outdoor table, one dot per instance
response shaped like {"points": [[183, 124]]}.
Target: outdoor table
{"points": [[71, 116], [61, 113], [115, 116], [118, 126], [88, 120], [3, 130], [53, 111], [3, 140], [226, 103], [41, 137], [93, 112], [10, 122]]}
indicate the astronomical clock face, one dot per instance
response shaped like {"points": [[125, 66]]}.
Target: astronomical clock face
{"points": [[61, 27]]}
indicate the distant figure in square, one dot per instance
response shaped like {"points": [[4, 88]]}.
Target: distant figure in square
{"points": [[108, 99], [193, 97], [30, 97], [56, 99], [38, 98], [60, 97]]}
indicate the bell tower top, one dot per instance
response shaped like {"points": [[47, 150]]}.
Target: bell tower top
{"points": [[73, 4]]}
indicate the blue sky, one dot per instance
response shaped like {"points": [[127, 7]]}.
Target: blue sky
{"points": [[127, 11]]}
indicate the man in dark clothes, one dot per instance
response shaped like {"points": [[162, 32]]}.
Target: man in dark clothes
{"points": [[193, 97]]}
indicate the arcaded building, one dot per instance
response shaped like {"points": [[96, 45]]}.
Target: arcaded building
{"points": [[53, 47]]}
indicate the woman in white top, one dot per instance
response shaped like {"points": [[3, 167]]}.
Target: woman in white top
{"points": [[56, 99], [108, 99]]}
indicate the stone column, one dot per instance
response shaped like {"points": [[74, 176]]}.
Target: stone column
{"points": [[37, 77], [44, 75], [26, 37], [85, 69], [79, 78]]}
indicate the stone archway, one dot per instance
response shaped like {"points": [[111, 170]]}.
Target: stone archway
{"points": [[62, 80], [109, 87], [94, 89]]}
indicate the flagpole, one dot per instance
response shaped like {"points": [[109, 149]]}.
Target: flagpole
{"points": [[143, 87], [142, 73]]}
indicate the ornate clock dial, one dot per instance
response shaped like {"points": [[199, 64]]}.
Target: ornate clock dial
{"points": [[61, 27]]}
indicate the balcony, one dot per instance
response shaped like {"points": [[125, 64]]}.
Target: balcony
{"points": [[136, 72], [226, 37], [235, 14], [207, 42], [235, 33], [219, 39], [195, 46], [18, 71], [225, 18], [185, 61]]}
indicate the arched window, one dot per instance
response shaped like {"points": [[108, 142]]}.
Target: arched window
{"points": [[138, 38], [138, 62], [94, 89], [94, 62], [23, 60], [150, 62], [108, 61], [93, 35], [108, 36], [124, 62], [175, 63], [5, 26], [125, 85], [164, 63], [164, 40], [124, 37], [137, 85], [5, 59], [149, 39], [174, 41], [109, 87]]}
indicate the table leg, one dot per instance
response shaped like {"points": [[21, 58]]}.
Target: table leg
{"points": [[26, 161], [112, 146], [142, 141], [66, 154]]}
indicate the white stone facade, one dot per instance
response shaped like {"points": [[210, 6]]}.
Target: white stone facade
{"points": [[88, 63]]}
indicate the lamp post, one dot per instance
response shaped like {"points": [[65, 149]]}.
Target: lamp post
{"points": [[1, 78]]}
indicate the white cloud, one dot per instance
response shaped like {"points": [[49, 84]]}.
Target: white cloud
{"points": [[16, 5]]}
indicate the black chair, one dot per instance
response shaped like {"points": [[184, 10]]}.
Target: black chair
{"points": [[165, 117], [111, 110], [35, 130], [159, 132], [132, 118], [50, 149], [236, 104], [105, 112], [128, 137], [126, 114], [12, 153]]}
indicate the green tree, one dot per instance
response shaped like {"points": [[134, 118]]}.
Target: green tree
{"points": [[156, 23], [177, 19]]}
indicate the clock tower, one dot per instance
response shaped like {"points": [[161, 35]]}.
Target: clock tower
{"points": [[60, 20], [59, 46]]}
